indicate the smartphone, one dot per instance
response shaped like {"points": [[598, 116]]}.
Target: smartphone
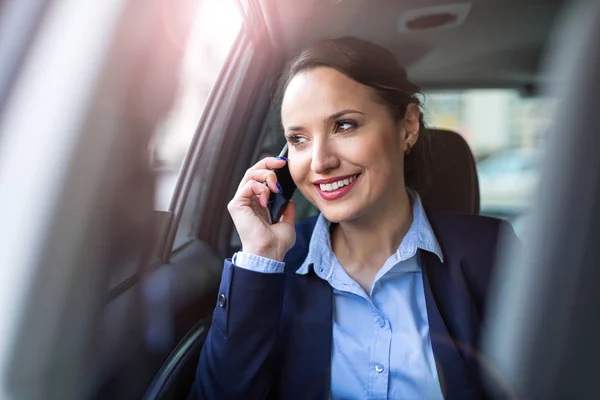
{"points": [[278, 201]]}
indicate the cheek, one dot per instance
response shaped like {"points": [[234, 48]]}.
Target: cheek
{"points": [[300, 171], [380, 156], [368, 150], [299, 168]]}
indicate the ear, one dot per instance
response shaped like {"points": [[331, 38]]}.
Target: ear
{"points": [[411, 124]]}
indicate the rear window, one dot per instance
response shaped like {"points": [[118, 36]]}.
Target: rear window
{"points": [[505, 131]]}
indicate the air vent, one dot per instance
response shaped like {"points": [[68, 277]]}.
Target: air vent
{"points": [[434, 18]]}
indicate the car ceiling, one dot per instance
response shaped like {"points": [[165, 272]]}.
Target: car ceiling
{"points": [[500, 43]]}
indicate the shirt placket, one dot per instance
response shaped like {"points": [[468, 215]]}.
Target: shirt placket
{"points": [[379, 362]]}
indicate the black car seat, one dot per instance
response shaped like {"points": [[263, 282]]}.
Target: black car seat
{"points": [[453, 184]]}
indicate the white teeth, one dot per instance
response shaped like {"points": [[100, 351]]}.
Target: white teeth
{"points": [[336, 185]]}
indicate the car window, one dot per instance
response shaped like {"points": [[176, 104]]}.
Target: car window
{"points": [[505, 131], [216, 26]]}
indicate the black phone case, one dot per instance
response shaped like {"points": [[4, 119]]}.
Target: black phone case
{"points": [[278, 201]]}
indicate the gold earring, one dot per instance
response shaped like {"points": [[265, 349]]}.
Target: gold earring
{"points": [[407, 151]]}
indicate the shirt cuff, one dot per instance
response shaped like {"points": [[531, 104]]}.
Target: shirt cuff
{"points": [[256, 263]]}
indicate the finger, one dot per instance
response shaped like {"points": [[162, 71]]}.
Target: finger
{"points": [[269, 163], [289, 214], [250, 190], [261, 176], [262, 191]]}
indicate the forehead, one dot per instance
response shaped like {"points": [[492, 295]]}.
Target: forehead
{"points": [[320, 92]]}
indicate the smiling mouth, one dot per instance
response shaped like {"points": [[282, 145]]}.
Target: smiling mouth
{"points": [[338, 189], [331, 187]]}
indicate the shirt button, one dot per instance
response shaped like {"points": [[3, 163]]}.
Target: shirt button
{"points": [[222, 300], [381, 322], [379, 368]]}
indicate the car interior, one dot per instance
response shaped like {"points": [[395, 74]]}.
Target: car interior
{"points": [[113, 278]]}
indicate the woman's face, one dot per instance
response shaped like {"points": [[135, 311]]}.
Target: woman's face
{"points": [[346, 151]]}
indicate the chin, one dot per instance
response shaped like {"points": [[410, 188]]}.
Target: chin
{"points": [[340, 214]]}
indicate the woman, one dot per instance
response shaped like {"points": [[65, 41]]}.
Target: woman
{"points": [[374, 298]]}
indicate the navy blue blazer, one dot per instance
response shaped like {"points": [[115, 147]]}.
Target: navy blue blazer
{"points": [[271, 333]]}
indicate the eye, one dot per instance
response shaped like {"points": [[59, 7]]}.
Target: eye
{"points": [[345, 126], [295, 139]]}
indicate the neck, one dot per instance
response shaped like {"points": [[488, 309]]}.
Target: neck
{"points": [[376, 236]]}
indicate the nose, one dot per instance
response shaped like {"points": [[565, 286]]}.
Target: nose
{"points": [[324, 157]]}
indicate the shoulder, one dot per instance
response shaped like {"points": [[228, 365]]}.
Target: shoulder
{"points": [[471, 239], [475, 229], [445, 218], [470, 244]]}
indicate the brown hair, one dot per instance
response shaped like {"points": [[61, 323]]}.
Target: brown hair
{"points": [[376, 67]]}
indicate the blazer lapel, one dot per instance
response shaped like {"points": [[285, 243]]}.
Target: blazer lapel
{"points": [[451, 329], [307, 313]]}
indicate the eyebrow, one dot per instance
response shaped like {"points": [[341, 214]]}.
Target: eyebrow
{"points": [[332, 117]]}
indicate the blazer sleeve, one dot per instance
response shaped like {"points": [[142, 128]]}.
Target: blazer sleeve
{"points": [[237, 360]]}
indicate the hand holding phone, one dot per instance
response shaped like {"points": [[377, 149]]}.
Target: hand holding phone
{"points": [[261, 211]]}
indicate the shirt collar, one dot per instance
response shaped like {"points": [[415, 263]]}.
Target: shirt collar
{"points": [[419, 236], [319, 248]]}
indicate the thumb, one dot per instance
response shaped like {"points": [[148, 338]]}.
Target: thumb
{"points": [[289, 214]]}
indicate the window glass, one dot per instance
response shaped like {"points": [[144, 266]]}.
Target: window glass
{"points": [[505, 131], [215, 28]]}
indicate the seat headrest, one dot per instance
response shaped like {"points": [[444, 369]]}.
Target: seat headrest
{"points": [[452, 173]]}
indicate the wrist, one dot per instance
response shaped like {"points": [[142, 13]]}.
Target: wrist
{"points": [[266, 252]]}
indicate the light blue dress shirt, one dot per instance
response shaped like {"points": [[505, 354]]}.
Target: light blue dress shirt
{"points": [[381, 344]]}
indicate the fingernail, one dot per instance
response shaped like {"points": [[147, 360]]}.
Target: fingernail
{"points": [[279, 187], [282, 158]]}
